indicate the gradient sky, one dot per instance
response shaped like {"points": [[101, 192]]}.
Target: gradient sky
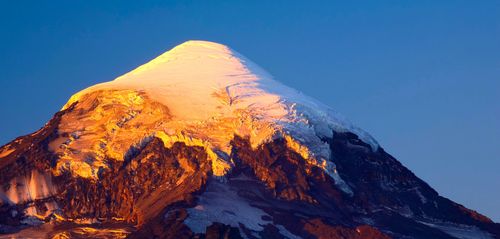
{"points": [[423, 77]]}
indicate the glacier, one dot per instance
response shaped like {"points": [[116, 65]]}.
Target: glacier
{"points": [[213, 92]]}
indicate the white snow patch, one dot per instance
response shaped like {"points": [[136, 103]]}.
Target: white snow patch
{"points": [[28, 188], [220, 204], [283, 231], [459, 230], [421, 196], [331, 170]]}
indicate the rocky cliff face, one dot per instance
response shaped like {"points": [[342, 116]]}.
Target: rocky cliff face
{"points": [[124, 161]]}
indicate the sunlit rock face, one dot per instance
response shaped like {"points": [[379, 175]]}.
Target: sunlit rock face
{"points": [[201, 142]]}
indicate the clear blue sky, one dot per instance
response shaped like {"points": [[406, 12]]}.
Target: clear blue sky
{"points": [[423, 77]]}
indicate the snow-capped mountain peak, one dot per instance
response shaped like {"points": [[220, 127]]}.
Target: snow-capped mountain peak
{"points": [[202, 143], [212, 93]]}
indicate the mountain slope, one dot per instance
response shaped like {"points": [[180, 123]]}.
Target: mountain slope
{"points": [[200, 142]]}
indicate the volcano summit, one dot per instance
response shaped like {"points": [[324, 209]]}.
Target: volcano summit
{"points": [[200, 142]]}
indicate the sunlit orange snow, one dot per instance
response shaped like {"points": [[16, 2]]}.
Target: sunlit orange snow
{"points": [[200, 93]]}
